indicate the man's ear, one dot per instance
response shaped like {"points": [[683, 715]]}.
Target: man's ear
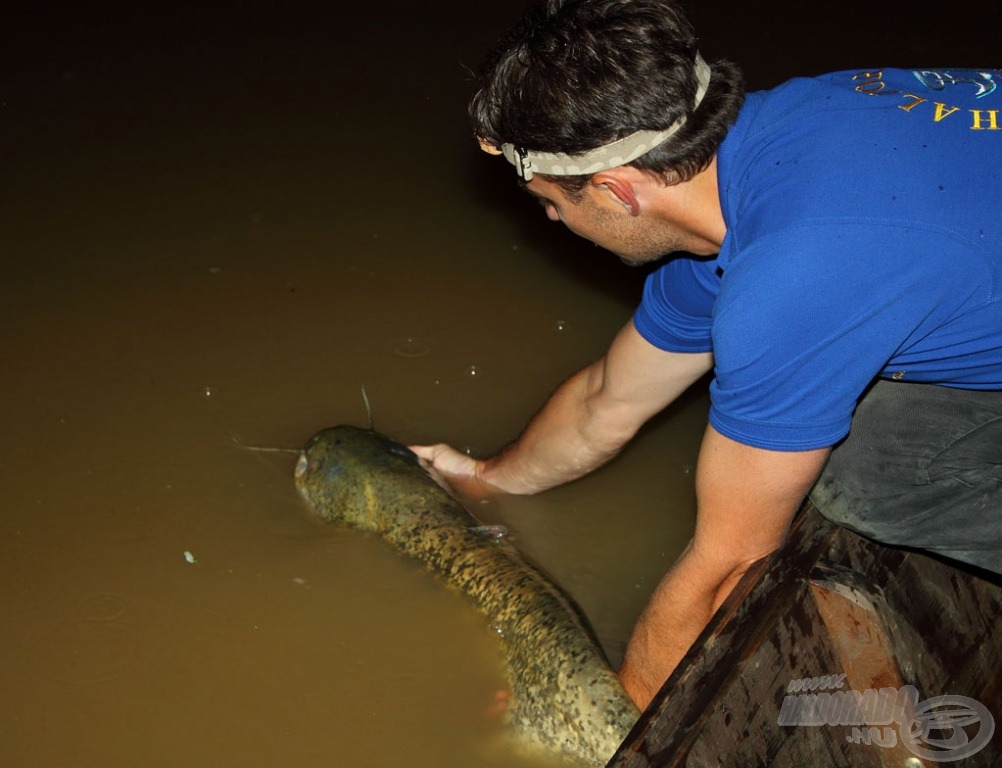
{"points": [[621, 187]]}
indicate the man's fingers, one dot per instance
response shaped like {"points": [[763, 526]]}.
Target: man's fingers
{"points": [[454, 470], [446, 459]]}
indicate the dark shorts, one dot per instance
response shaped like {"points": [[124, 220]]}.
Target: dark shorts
{"points": [[922, 468]]}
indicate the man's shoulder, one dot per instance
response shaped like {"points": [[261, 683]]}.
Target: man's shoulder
{"points": [[942, 102], [862, 147]]}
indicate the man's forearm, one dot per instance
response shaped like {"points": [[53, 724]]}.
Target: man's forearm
{"points": [[746, 498], [676, 614], [568, 438], [594, 413], [585, 422]]}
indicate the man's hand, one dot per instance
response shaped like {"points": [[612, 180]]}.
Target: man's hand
{"points": [[447, 460], [455, 470]]}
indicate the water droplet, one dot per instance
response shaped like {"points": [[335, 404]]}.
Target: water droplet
{"points": [[560, 325], [473, 370], [208, 391]]}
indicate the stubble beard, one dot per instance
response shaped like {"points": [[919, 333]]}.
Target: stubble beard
{"points": [[636, 243], [646, 246]]}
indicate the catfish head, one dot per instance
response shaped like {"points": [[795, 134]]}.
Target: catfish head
{"points": [[360, 478]]}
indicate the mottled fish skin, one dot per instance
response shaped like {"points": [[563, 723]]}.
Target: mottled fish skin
{"points": [[565, 696]]}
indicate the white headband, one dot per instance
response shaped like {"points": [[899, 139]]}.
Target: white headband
{"points": [[616, 153]]}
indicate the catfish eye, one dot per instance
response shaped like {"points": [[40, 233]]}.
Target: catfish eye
{"points": [[302, 465]]}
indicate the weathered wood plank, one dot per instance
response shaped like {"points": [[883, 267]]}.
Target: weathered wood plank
{"points": [[886, 617], [852, 611]]}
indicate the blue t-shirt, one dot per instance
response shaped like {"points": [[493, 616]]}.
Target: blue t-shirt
{"points": [[864, 240]]}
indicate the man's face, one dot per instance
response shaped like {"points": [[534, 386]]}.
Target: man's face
{"points": [[604, 220]]}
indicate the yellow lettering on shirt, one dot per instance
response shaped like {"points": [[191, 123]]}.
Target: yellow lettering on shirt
{"points": [[915, 101], [872, 82], [993, 119], [943, 111], [871, 87]]}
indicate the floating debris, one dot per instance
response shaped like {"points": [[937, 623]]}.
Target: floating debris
{"points": [[189, 557]]}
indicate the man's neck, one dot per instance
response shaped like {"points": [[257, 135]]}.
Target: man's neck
{"points": [[694, 206]]}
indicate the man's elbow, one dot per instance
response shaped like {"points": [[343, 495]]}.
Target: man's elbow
{"points": [[736, 573], [610, 424]]}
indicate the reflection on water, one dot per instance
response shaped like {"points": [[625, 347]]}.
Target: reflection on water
{"points": [[220, 223]]}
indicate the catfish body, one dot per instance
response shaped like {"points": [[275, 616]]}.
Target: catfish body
{"points": [[565, 697]]}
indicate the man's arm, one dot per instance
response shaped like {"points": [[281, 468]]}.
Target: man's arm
{"points": [[585, 422], [746, 499]]}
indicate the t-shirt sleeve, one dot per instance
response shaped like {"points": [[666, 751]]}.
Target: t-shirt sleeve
{"points": [[806, 319], [676, 312]]}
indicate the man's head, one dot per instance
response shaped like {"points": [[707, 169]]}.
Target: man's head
{"points": [[575, 75]]}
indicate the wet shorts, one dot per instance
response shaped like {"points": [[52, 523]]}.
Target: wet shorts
{"points": [[921, 468]]}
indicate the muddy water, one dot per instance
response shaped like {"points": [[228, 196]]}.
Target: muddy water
{"points": [[218, 224]]}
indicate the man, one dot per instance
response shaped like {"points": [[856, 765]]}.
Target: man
{"points": [[836, 258]]}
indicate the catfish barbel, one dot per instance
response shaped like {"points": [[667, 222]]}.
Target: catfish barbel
{"points": [[565, 697]]}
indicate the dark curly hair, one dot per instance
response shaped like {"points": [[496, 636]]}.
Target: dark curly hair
{"points": [[574, 75]]}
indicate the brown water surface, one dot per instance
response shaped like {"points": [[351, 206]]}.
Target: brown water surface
{"points": [[219, 223]]}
